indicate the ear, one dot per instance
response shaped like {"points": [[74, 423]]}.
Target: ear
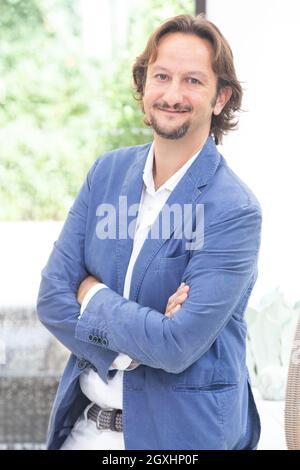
{"points": [[222, 98]]}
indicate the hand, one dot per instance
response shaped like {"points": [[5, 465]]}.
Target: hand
{"points": [[177, 299], [85, 286]]}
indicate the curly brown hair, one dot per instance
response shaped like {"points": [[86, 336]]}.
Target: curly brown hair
{"points": [[222, 65]]}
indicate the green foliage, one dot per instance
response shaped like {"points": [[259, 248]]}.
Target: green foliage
{"points": [[59, 108]]}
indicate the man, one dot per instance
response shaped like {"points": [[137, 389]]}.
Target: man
{"points": [[158, 345]]}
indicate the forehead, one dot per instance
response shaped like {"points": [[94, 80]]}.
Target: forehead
{"points": [[184, 51]]}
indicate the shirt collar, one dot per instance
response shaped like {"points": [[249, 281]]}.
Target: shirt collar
{"points": [[170, 184]]}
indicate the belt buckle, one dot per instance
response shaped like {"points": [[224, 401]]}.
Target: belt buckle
{"points": [[98, 425]]}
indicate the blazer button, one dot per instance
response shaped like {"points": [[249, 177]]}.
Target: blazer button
{"points": [[95, 339], [91, 337], [81, 363], [100, 341], [105, 342]]}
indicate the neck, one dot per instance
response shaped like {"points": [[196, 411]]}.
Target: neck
{"points": [[171, 155]]}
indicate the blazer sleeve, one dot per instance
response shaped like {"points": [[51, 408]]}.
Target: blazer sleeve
{"points": [[57, 305], [218, 275]]}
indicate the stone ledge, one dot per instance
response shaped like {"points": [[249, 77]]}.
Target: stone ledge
{"points": [[25, 406], [31, 363]]}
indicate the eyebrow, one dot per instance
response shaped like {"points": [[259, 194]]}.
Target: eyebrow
{"points": [[192, 72]]}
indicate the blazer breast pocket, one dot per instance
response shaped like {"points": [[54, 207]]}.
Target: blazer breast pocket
{"points": [[178, 263], [169, 275]]}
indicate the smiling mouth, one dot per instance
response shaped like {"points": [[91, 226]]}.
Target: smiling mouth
{"points": [[172, 111]]}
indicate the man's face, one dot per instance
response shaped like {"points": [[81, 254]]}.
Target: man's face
{"points": [[180, 90]]}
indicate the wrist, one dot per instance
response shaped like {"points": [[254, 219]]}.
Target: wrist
{"points": [[85, 286]]}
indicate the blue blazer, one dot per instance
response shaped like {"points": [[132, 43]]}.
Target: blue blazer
{"points": [[192, 388]]}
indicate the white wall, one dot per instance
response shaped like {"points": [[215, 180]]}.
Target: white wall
{"points": [[265, 39]]}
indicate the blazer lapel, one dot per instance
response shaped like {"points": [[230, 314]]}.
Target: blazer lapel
{"points": [[187, 191]]}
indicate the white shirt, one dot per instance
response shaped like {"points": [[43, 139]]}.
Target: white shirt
{"points": [[84, 434]]}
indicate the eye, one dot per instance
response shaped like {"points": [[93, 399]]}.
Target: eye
{"points": [[162, 77], [193, 81]]}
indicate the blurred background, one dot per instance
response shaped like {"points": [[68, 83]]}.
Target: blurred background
{"points": [[65, 98]]}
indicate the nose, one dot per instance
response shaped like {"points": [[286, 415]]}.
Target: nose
{"points": [[173, 93]]}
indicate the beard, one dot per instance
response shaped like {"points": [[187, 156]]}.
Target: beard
{"points": [[172, 134]]}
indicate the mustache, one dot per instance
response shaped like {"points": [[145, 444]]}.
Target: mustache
{"points": [[177, 107]]}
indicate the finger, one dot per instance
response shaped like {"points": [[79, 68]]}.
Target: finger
{"points": [[181, 289], [173, 300], [180, 299], [178, 288], [177, 301], [173, 311]]}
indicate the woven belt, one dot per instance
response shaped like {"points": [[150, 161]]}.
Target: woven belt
{"points": [[106, 418]]}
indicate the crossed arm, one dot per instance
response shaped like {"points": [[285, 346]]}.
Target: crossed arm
{"points": [[173, 305], [217, 276], [57, 305]]}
